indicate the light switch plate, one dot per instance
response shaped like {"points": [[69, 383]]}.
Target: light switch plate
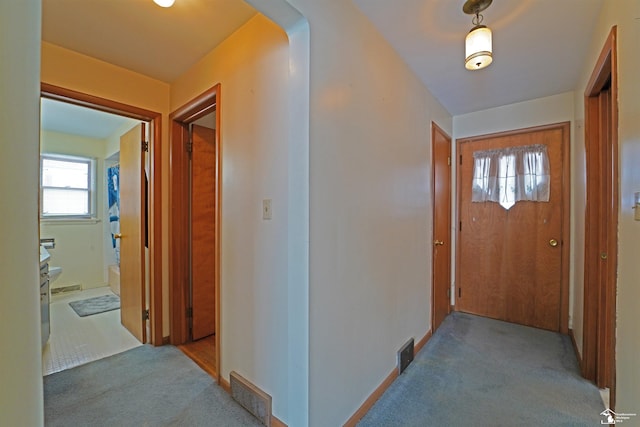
{"points": [[266, 209]]}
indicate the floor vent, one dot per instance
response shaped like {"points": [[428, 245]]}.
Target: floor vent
{"points": [[64, 289], [254, 400], [405, 356]]}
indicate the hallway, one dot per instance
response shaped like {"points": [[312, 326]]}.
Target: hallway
{"points": [[485, 372]]}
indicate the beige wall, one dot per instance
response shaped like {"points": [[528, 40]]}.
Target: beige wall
{"points": [[79, 246], [21, 368], [624, 14], [252, 66], [370, 204]]}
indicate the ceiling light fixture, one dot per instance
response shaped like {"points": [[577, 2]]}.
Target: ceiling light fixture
{"points": [[164, 3], [478, 45]]}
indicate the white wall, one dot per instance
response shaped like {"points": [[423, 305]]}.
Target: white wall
{"points": [[370, 210], [625, 14], [536, 112], [21, 368], [79, 245], [252, 66]]}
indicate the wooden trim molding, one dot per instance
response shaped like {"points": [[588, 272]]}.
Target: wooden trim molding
{"points": [[384, 385], [178, 216], [575, 348], [155, 186], [422, 343]]}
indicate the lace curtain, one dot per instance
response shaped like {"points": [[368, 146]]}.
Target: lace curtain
{"points": [[509, 175]]}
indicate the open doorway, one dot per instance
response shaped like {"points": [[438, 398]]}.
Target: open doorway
{"points": [[195, 225], [80, 227]]}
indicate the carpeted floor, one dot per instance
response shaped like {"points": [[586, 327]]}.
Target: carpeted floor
{"points": [[483, 372], [145, 386]]}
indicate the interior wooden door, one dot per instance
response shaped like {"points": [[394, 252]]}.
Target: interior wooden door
{"points": [[203, 215], [441, 281], [510, 261], [132, 225]]}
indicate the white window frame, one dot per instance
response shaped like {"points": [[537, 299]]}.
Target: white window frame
{"points": [[90, 190]]}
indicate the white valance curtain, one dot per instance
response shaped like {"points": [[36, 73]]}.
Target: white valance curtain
{"points": [[509, 175]]}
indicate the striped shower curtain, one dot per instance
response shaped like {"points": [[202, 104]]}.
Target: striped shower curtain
{"points": [[113, 183]]}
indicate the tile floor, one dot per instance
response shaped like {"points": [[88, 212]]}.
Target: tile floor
{"points": [[76, 340]]}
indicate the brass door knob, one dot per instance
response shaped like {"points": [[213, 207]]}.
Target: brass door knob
{"points": [[553, 243], [438, 242], [117, 236]]}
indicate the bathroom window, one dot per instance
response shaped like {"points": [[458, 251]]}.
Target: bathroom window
{"points": [[66, 186]]}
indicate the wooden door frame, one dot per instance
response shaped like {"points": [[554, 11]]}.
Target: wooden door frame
{"points": [[435, 128], [179, 243], [155, 187], [566, 207], [599, 316]]}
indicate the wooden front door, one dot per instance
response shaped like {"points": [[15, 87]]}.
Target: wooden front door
{"points": [[441, 281], [132, 225], [203, 227], [511, 264]]}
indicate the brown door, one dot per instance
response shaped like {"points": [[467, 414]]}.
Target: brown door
{"points": [[510, 261], [441, 281], [601, 221], [203, 214], [132, 224]]}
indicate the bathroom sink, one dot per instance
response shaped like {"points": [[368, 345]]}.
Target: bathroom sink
{"points": [[54, 273]]}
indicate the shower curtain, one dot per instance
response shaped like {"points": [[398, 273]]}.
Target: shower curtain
{"points": [[113, 182]]}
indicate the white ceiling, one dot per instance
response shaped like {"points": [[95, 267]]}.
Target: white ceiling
{"points": [[75, 120], [139, 35], [539, 45]]}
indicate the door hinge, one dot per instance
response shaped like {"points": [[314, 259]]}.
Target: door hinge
{"points": [[189, 312], [449, 293], [459, 292], [448, 161], [145, 314], [460, 226], [460, 158], [189, 146], [145, 146]]}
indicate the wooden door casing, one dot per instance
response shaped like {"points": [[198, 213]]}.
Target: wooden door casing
{"points": [[507, 268], [132, 224], [203, 231], [441, 257], [601, 221]]}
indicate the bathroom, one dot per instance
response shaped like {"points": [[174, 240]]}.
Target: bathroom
{"points": [[79, 226]]}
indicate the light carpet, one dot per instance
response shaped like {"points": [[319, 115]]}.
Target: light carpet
{"points": [[482, 372], [145, 386]]}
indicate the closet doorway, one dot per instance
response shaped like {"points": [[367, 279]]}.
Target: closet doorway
{"points": [[194, 230]]}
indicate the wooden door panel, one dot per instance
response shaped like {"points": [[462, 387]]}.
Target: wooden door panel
{"points": [[441, 304], [508, 269], [132, 223], [203, 214]]}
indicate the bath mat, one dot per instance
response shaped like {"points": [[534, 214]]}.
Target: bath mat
{"points": [[95, 305]]}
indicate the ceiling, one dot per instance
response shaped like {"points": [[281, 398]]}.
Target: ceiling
{"points": [[538, 45], [63, 117], [139, 35]]}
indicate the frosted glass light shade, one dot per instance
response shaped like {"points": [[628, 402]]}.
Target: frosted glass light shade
{"points": [[478, 48], [164, 3]]}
